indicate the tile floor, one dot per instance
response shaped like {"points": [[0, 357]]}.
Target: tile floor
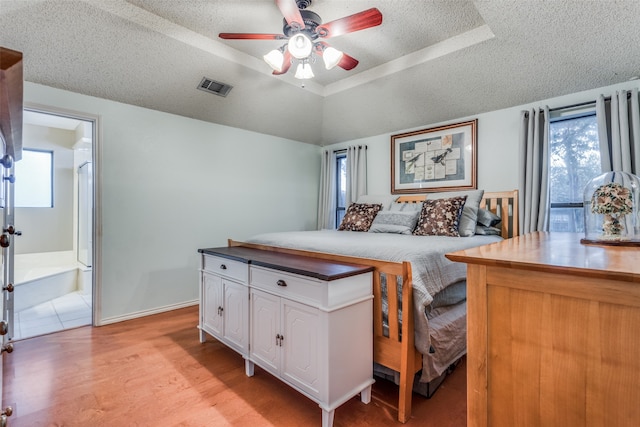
{"points": [[69, 311]]}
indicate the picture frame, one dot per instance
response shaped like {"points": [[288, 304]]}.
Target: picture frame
{"points": [[442, 158]]}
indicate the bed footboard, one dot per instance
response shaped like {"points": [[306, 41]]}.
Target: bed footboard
{"points": [[395, 350]]}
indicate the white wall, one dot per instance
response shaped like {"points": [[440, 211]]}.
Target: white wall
{"points": [[498, 133], [49, 229], [171, 185]]}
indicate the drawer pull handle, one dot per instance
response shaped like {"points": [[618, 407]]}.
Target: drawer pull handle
{"points": [[281, 283], [223, 267]]}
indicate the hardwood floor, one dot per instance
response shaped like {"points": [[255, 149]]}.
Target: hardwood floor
{"points": [[153, 371]]}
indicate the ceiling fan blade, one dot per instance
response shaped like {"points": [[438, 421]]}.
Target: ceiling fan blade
{"points": [[251, 36], [289, 8], [348, 24], [286, 63], [346, 62]]}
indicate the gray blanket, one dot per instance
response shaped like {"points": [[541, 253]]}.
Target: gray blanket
{"points": [[431, 271]]}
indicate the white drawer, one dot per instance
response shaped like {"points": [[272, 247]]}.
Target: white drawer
{"points": [[292, 286], [226, 267]]}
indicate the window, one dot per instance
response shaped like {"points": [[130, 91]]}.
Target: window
{"points": [[34, 179], [574, 154], [341, 186]]}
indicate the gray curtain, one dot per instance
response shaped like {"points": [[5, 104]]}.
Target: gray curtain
{"points": [[619, 131], [356, 173], [327, 193], [534, 171]]}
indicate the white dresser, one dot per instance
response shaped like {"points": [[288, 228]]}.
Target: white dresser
{"points": [[304, 320], [224, 296]]}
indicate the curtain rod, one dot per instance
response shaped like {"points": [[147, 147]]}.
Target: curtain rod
{"points": [[582, 104], [342, 150]]}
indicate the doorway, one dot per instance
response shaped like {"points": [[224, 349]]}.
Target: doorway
{"points": [[54, 262]]}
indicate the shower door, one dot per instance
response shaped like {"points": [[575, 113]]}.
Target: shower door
{"points": [[85, 214], [6, 241]]}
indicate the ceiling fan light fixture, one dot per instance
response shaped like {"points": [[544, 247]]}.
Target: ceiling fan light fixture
{"points": [[300, 46], [304, 71], [331, 57], [275, 59]]}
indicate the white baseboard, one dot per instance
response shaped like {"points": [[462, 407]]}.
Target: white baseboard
{"points": [[143, 313]]}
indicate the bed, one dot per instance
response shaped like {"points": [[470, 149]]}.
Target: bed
{"points": [[414, 342]]}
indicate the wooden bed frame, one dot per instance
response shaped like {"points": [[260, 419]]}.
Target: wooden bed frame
{"points": [[391, 351]]}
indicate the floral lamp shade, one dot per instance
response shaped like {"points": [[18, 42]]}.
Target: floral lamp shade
{"points": [[612, 209]]}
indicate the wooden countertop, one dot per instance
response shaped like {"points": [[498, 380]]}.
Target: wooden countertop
{"points": [[560, 253], [296, 264]]}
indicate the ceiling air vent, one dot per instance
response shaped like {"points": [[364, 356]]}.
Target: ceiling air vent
{"points": [[212, 86]]}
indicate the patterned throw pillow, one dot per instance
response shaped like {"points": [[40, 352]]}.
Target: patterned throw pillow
{"points": [[440, 217], [469, 215], [359, 217]]}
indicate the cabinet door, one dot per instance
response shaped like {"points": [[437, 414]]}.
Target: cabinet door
{"points": [[212, 320], [301, 350], [236, 314], [265, 327]]}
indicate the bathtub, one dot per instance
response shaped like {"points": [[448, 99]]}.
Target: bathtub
{"points": [[41, 277]]}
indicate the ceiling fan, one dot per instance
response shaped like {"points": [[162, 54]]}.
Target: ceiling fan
{"points": [[302, 29]]}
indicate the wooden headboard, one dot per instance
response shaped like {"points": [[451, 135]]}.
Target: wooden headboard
{"points": [[502, 203]]}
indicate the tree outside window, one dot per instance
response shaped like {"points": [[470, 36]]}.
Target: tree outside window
{"points": [[574, 159]]}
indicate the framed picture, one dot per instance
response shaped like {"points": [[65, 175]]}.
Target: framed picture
{"points": [[438, 159]]}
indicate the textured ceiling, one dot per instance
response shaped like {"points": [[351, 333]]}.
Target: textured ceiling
{"points": [[428, 62]]}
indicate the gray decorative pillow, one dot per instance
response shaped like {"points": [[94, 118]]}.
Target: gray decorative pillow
{"points": [[440, 217], [378, 199], [406, 207], [394, 222], [468, 220], [488, 231], [359, 217], [488, 218]]}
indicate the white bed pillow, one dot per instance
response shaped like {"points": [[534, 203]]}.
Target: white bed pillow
{"points": [[394, 222], [469, 217], [406, 207], [378, 199]]}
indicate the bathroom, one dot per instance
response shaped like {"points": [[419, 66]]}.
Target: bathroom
{"points": [[53, 275]]}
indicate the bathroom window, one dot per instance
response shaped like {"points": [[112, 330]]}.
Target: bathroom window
{"points": [[34, 179]]}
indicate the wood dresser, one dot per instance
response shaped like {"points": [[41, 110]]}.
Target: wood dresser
{"points": [[553, 332]]}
